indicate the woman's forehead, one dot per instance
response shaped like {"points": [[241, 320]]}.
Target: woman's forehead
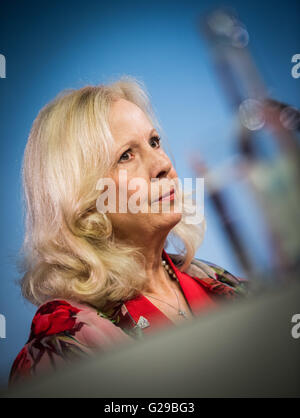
{"points": [[128, 121]]}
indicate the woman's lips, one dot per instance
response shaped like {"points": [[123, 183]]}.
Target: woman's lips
{"points": [[168, 196]]}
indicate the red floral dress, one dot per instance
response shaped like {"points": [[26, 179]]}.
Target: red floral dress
{"points": [[64, 330]]}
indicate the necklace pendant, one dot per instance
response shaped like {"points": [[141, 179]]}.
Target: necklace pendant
{"points": [[143, 323], [183, 313]]}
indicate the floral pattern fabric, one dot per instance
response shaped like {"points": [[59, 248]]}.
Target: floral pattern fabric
{"points": [[63, 331]]}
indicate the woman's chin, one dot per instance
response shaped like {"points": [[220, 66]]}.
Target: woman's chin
{"points": [[169, 218]]}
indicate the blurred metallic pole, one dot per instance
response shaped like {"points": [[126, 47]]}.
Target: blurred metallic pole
{"points": [[228, 38], [289, 117], [243, 86], [219, 202], [279, 258], [284, 121]]}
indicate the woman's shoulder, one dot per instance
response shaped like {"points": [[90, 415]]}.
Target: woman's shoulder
{"points": [[216, 278], [67, 316], [70, 318], [63, 330]]}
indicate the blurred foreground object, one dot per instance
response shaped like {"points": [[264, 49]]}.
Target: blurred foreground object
{"points": [[246, 349], [268, 149]]}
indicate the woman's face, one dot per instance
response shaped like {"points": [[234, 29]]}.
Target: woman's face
{"points": [[138, 159]]}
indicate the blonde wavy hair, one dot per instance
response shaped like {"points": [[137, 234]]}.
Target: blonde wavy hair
{"points": [[69, 250]]}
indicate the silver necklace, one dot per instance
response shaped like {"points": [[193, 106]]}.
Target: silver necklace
{"points": [[172, 274]]}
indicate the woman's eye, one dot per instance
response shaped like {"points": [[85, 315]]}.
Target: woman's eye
{"points": [[155, 139], [124, 153]]}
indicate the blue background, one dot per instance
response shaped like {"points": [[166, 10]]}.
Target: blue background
{"points": [[53, 45]]}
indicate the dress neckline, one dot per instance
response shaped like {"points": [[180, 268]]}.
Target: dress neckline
{"points": [[194, 294]]}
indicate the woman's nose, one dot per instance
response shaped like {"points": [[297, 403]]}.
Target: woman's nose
{"points": [[160, 167]]}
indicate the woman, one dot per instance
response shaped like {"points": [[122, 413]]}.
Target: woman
{"points": [[102, 277]]}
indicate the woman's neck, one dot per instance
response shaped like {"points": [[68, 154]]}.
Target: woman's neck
{"points": [[159, 281]]}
